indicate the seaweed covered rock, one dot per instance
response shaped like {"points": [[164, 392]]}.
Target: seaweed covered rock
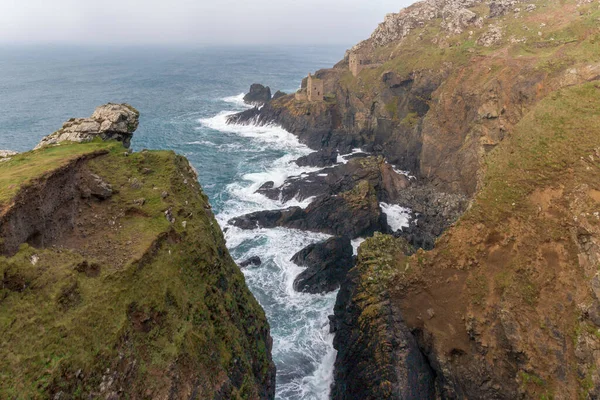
{"points": [[108, 122]]}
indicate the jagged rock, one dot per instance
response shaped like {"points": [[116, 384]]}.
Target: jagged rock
{"points": [[109, 122], [492, 37], [456, 20], [252, 261], [378, 356], [354, 213], [432, 213], [258, 95], [397, 26], [93, 185], [322, 158], [340, 178], [500, 7], [278, 94], [328, 263]]}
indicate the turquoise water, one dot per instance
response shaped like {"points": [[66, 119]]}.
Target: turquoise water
{"points": [[184, 96]]}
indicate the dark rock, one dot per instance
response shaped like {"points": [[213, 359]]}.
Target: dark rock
{"points": [[258, 95], [327, 262], [319, 159], [252, 261], [278, 94], [433, 213], [378, 357], [340, 178], [498, 8], [354, 213]]}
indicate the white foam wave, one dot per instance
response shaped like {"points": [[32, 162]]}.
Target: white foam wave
{"points": [[356, 244], [397, 217], [302, 346], [238, 100], [299, 321], [273, 135], [401, 172], [344, 158]]}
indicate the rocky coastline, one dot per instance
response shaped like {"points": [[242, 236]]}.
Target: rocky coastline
{"points": [[443, 94]]}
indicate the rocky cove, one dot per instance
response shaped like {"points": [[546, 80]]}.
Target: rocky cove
{"points": [[459, 303], [425, 226]]}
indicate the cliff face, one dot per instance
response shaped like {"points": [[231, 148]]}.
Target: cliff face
{"points": [[506, 305], [496, 102], [116, 282], [447, 81]]}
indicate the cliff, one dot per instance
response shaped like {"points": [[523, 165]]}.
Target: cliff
{"points": [[116, 281], [447, 80], [492, 104], [506, 306]]}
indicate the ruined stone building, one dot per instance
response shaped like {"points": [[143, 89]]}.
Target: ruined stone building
{"points": [[314, 89], [358, 62]]}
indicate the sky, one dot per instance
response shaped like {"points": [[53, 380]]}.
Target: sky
{"points": [[191, 22]]}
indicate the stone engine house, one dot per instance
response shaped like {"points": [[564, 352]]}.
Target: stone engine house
{"points": [[314, 89], [358, 62]]}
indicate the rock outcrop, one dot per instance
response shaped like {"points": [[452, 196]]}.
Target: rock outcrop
{"points": [[254, 261], [378, 356], [355, 213], [258, 95], [108, 122], [278, 94], [104, 297], [327, 265]]}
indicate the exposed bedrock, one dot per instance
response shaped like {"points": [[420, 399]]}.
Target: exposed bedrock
{"points": [[378, 357], [258, 95], [108, 122], [322, 158], [327, 264], [387, 183], [354, 213]]}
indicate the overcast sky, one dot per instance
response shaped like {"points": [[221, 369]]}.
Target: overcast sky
{"points": [[200, 22]]}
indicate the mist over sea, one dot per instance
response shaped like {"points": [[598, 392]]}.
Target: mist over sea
{"points": [[184, 96]]}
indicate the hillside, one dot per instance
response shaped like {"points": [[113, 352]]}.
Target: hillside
{"points": [[116, 281], [494, 108]]}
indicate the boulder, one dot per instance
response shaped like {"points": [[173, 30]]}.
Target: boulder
{"points": [[108, 122], [252, 261], [258, 95], [91, 185], [328, 263], [498, 8]]}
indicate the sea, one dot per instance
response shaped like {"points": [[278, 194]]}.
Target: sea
{"points": [[184, 96]]}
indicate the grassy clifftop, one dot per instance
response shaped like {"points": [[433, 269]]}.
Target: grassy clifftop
{"points": [[136, 295]]}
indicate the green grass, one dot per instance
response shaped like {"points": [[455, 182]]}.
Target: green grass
{"points": [[185, 309]]}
